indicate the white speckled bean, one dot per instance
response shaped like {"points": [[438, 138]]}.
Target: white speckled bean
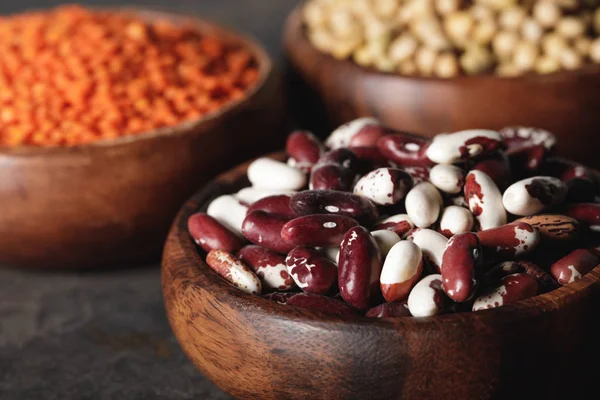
{"points": [[229, 211], [270, 174], [533, 195], [384, 185], [427, 298], [450, 148], [402, 269], [423, 204], [432, 245], [341, 136], [484, 199], [455, 220], [512, 288], [234, 271], [399, 223], [447, 178], [385, 239]]}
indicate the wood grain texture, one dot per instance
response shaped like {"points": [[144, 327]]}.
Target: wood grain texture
{"points": [[565, 103], [111, 203], [255, 348]]}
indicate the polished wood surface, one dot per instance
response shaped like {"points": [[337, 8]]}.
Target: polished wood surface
{"points": [[566, 103], [255, 348], [111, 203]]}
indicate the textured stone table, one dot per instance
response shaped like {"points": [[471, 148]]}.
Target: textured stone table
{"points": [[104, 335]]}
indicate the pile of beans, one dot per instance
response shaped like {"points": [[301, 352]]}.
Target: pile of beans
{"points": [[71, 76], [446, 38], [390, 224]]}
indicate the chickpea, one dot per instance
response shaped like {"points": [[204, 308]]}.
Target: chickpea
{"points": [[385, 8], [322, 40], [482, 12], [498, 4], [484, 31], [374, 28], [343, 49], [408, 67], [546, 65], [570, 27], [385, 64], [402, 48], [314, 14], [582, 45], [504, 44], [553, 45], [512, 18], [429, 32], [476, 59], [413, 9], [531, 30], [525, 56], [458, 25], [446, 65], [342, 23], [425, 59], [595, 51], [570, 59], [363, 56], [547, 13], [446, 6], [507, 70]]}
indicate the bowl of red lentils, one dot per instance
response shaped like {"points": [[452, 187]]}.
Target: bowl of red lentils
{"points": [[110, 119], [430, 66]]}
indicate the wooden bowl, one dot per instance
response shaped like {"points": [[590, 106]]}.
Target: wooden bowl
{"points": [[565, 103], [255, 348], [112, 202]]}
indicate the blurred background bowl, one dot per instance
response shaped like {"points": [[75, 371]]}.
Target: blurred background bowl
{"points": [[110, 203], [566, 103], [539, 348]]}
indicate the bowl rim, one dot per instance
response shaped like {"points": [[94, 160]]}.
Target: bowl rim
{"points": [[295, 35], [199, 276], [265, 67]]}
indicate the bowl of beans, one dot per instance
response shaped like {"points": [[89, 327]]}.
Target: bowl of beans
{"points": [[387, 265], [110, 119], [441, 66]]}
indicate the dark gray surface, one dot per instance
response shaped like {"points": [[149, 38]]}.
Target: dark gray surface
{"points": [[105, 335]]}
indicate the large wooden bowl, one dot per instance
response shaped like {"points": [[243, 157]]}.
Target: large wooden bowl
{"points": [[110, 203], [255, 348], [566, 103]]}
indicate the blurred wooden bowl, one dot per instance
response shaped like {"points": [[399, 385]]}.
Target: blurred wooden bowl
{"points": [[112, 202], [566, 103], [539, 348]]}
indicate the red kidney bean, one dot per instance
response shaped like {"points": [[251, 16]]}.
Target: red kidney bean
{"points": [[318, 230], [331, 177], [321, 303], [510, 240], [554, 227], [497, 167], [368, 136], [334, 202], [279, 205], [279, 297], [418, 173], [343, 157], [587, 214], [312, 272], [304, 148], [427, 298], [581, 184], [264, 229], [269, 266], [210, 234], [494, 275], [359, 268], [402, 269], [512, 288], [405, 149], [532, 195], [233, 271], [574, 265], [460, 264], [389, 310], [450, 148], [370, 158], [384, 186]]}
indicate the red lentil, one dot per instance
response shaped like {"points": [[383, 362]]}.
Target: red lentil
{"points": [[70, 76]]}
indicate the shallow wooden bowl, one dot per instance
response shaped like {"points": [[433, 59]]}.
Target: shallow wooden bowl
{"points": [[566, 103], [255, 348], [111, 203]]}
